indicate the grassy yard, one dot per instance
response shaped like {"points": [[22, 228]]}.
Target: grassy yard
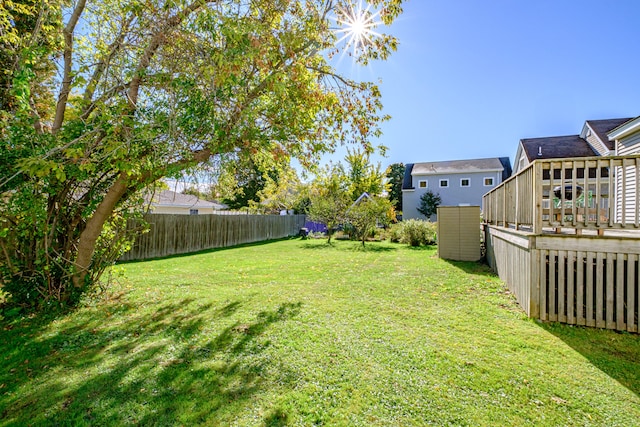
{"points": [[302, 333]]}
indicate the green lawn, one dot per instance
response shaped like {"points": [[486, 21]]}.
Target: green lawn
{"points": [[298, 332]]}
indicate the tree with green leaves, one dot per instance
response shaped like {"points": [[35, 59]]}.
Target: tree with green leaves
{"points": [[329, 199], [429, 203], [282, 192], [395, 177], [368, 213], [363, 177], [240, 186], [101, 100]]}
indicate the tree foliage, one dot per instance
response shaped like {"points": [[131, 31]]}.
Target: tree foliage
{"points": [[368, 214], [100, 100], [395, 177], [429, 203], [329, 199], [282, 193], [361, 175]]}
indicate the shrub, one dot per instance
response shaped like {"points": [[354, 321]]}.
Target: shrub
{"points": [[394, 233], [414, 232]]}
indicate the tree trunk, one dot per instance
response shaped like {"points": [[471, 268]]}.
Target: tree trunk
{"points": [[89, 236]]}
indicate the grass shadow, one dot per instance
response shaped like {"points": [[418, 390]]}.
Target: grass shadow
{"points": [[614, 353], [209, 251], [472, 267], [348, 246], [421, 248], [116, 365]]}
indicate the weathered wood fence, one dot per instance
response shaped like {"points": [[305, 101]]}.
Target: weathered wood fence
{"points": [[579, 280], [179, 234]]}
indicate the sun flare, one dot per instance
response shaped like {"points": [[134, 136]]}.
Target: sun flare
{"points": [[357, 25]]}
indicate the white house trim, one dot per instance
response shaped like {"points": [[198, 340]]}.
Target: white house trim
{"points": [[625, 129]]}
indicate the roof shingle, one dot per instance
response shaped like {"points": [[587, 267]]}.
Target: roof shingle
{"points": [[556, 147], [603, 127]]}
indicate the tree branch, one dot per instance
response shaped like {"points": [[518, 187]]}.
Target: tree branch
{"points": [[113, 48], [68, 59], [157, 40]]}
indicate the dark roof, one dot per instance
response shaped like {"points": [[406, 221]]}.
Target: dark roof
{"points": [[407, 182], [603, 127], [556, 147], [506, 163]]}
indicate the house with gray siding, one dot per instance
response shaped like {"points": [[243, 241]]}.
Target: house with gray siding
{"points": [[626, 141], [458, 182]]}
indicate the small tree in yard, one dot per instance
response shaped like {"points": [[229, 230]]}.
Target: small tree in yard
{"points": [[368, 214], [429, 203], [329, 200]]}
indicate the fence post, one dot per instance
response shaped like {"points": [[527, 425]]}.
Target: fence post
{"points": [[537, 196]]}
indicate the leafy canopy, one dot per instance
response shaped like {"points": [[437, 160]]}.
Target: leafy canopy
{"points": [[101, 99]]}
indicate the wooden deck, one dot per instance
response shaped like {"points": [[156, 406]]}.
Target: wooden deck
{"points": [[586, 280], [570, 260]]}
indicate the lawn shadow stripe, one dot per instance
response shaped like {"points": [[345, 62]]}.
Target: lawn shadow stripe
{"points": [[612, 352], [135, 367]]}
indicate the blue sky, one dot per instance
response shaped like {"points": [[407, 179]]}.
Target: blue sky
{"points": [[473, 77]]}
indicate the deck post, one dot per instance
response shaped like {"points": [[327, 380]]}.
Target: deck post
{"points": [[537, 197]]}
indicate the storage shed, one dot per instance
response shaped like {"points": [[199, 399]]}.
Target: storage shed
{"points": [[459, 233]]}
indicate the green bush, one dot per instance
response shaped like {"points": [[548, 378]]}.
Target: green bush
{"points": [[414, 232]]}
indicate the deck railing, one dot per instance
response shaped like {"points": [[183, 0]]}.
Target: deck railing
{"points": [[596, 193]]}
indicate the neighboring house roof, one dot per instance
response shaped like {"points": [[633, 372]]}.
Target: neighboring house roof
{"points": [[364, 195], [407, 182], [624, 129], [556, 147], [166, 198], [461, 166], [492, 164], [602, 127]]}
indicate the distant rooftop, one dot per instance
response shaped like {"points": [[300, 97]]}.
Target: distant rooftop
{"points": [[456, 166], [172, 198]]}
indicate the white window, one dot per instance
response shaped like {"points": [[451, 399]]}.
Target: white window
{"points": [[444, 183], [465, 182], [488, 181], [423, 184], [193, 211]]}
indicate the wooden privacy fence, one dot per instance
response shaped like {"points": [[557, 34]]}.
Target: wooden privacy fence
{"points": [[579, 280], [179, 234]]}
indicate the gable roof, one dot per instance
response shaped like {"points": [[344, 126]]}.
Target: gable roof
{"points": [[172, 198], [556, 147], [459, 166], [602, 127], [624, 129]]}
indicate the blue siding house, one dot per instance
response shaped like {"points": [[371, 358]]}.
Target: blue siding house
{"points": [[458, 182]]}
